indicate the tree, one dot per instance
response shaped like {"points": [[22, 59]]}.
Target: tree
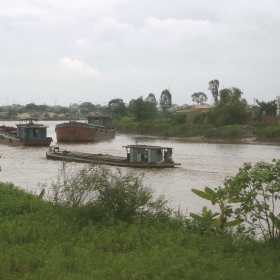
{"points": [[117, 107], [142, 110], [151, 98], [214, 88], [269, 107], [257, 189], [199, 97], [87, 106], [165, 100], [229, 109], [32, 107], [12, 113]]}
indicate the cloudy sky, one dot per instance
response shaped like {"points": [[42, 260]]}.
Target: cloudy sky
{"points": [[62, 52]]}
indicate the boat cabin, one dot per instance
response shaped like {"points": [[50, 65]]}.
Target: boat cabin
{"points": [[30, 130], [99, 119], [150, 154]]}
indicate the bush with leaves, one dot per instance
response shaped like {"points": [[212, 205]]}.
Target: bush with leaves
{"points": [[255, 193], [257, 188], [96, 192], [216, 222]]}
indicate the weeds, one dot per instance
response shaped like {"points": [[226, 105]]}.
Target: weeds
{"points": [[97, 223]]}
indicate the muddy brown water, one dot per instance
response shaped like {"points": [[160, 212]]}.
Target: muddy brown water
{"points": [[202, 164]]}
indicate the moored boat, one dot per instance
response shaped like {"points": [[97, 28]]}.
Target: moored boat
{"points": [[27, 133], [140, 156], [97, 128]]}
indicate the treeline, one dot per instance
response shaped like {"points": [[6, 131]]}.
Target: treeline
{"points": [[229, 107]]}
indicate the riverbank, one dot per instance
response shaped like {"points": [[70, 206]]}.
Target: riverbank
{"points": [[42, 240], [250, 140], [243, 134]]}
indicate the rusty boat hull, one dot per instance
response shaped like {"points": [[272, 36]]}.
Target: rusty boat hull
{"points": [[82, 132], [8, 136]]}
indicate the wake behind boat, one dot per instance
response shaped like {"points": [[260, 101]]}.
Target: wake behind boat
{"points": [[139, 156], [27, 133]]}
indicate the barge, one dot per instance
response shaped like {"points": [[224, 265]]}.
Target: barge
{"points": [[98, 127], [137, 156], [27, 133]]}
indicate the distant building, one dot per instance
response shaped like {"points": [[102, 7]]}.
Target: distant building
{"points": [[195, 110], [203, 108], [74, 106]]}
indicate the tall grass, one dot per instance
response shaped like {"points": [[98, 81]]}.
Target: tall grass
{"points": [[56, 239], [181, 130], [269, 132]]}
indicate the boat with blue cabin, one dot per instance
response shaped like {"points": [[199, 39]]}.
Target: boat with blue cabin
{"points": [[137, 156], [26, 133]]}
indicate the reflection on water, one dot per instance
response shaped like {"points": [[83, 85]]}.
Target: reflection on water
{"points": [[203, 164]]}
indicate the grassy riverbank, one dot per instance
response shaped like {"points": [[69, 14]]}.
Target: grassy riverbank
{"points": [[169, 128], [46, 240]]}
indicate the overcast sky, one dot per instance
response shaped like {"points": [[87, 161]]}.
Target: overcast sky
{"points": [[61, 52]]}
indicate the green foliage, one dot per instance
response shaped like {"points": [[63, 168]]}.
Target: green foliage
{"points": [[229, 109], [142, 110], [39, 243], [177, 119], [165, 101], [12, 113], [214, 88], [199, 97], [257, 125], [117, 108], [62, 110], [217, 221], [272, 131], [87, 106], [151, 98], [17, 202], [96, 192], [268, 107], [257, 189], [230, 132], [200, 118]]}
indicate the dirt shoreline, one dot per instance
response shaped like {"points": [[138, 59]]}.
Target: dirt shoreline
{"points": [[243, 140], [246, 140]]}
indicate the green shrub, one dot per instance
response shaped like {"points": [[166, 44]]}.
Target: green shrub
{"points": [[95, 192], [257, 125], [272, 131], [229, 132]]}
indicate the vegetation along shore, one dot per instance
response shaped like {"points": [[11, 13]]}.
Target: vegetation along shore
{"points": [[229, 118], [96, 223]]}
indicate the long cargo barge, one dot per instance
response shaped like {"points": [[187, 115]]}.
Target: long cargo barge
{"points": [[137, 156]]}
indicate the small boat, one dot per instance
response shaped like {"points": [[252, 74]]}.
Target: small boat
{"points": [[98, 127], [27, 133], [140, 156]]}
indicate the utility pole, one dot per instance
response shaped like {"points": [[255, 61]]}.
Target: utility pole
{"points": [[278, 106]]}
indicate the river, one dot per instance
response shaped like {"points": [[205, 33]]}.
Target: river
{"points": [[202, 164]]}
